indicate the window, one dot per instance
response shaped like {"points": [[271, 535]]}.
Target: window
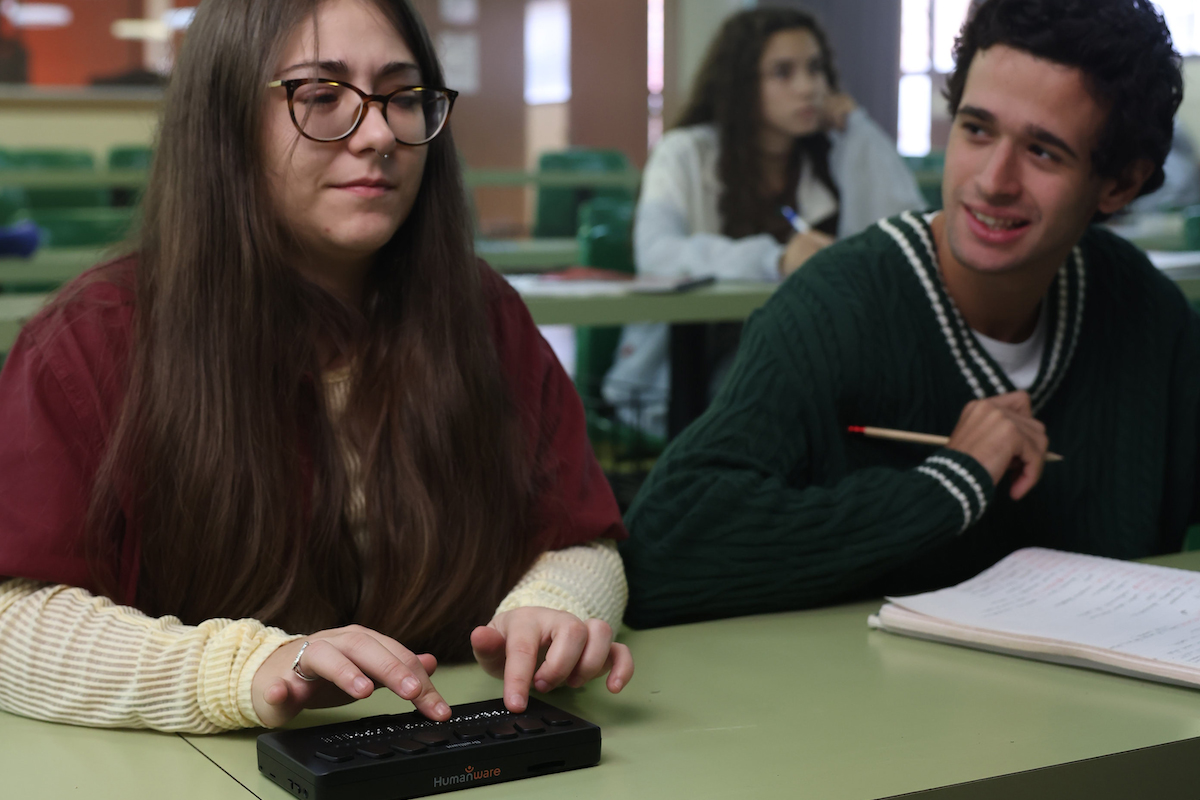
{"points": [[655, 65], [928, 29], [547, 52]]}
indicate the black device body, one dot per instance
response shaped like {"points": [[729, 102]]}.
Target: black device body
{"points": [[395, 756]]}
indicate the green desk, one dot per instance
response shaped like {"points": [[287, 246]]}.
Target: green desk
{"points": [[807, 704], [14, 310], [48, 265], [57, 265], [726, 301], [44, 761], [72, 178], [1183, 268], [552, 178], [133, 178], [721, 302], [528, 255]]}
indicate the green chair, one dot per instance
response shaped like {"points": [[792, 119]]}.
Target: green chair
{"points": [[128, 157], [84, 227], [12, 198], [557, 207], [78, 161], [1191, 539], [625, 452], [12, 204], [605, 241], [928, 172]]}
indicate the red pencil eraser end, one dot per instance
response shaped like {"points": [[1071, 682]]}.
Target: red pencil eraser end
{"points": [[855, 428]]}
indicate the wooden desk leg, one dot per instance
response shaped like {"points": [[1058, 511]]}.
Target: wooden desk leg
{"points": [[689, 377]]}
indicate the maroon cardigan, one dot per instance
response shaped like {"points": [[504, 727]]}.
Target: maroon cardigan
{"points": [[62, 388]]}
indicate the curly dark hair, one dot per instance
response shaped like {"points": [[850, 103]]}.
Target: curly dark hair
{"points": [[726, 94], [1123, 48]]}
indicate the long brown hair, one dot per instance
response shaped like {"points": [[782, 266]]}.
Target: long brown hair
{"points": [[726, 94], [224, 449]]}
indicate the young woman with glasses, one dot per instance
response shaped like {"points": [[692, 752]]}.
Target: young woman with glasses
{"points": [[765, 128], [300, 404]]}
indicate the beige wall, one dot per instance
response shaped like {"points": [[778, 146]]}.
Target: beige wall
{"points": [[547, 129], [97, 130], [489, 126], [698, 21], [690, 26]]}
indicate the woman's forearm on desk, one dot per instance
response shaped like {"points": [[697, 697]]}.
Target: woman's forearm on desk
{"points": [[69, 656]]}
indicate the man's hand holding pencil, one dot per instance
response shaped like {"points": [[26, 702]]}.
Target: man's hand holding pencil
{"points": [[1002, 435], [999, 432]]}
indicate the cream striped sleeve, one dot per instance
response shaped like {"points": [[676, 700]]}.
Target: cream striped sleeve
{"points": [[69, 656], [587, 581]]}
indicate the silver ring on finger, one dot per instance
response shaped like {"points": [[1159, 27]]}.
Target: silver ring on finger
{"points": [[296, 665]]}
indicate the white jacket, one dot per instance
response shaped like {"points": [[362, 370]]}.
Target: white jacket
{"points": [[677, 232]]}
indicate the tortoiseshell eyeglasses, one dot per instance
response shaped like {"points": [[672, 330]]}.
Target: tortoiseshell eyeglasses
{"points": [[326, 110]]}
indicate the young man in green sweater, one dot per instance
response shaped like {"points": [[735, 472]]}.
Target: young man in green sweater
{"points": [[1007, 321]]}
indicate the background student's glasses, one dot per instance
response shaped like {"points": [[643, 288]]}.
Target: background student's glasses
{"points": [[326, 110]]}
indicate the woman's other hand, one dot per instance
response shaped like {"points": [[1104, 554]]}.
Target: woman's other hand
{"points": [[547, 648], [836, 110], [801, 248], [348, 663]]}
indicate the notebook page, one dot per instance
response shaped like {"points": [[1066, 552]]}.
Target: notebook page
{"points": [[1139, 609], [537, 286]]}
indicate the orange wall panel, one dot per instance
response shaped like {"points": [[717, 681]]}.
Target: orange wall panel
{"points": [[608, 76], [489, 126], [86, 49]]}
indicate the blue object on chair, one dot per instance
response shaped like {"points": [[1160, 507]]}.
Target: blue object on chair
{"points": [[21, 239]]}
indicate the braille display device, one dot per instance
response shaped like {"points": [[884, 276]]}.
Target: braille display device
{"points": [[395, 756]]}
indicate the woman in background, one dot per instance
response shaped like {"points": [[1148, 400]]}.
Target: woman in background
{"points": [[300, 404], [765, 128]]}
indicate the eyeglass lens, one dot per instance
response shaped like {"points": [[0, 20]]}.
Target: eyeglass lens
{"points": [[325, 111]]}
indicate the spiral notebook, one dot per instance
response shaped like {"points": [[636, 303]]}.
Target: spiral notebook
{"points": [[1119, 616]]}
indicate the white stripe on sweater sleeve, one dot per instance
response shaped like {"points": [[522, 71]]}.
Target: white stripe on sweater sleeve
{"points": [[69, 656], [587, 581]]}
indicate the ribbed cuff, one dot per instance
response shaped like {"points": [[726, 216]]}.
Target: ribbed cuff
{"points": [[964, 479], [269, 640], [544, 594], [585, 580], [231, 658]]}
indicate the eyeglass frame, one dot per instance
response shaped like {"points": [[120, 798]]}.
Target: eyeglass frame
{"points": [[291, 84]]}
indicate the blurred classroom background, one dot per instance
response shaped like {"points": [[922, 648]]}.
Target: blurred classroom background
{"points": [[560, 102], [536, 76]]}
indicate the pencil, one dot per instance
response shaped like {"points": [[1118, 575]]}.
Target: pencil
{"points": [[919, 438], [798, 224]]}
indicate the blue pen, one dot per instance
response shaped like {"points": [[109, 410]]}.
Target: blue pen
{"points": [[798, 224]]}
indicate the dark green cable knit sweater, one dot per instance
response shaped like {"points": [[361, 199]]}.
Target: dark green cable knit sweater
{"points": [[766, 503]]}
